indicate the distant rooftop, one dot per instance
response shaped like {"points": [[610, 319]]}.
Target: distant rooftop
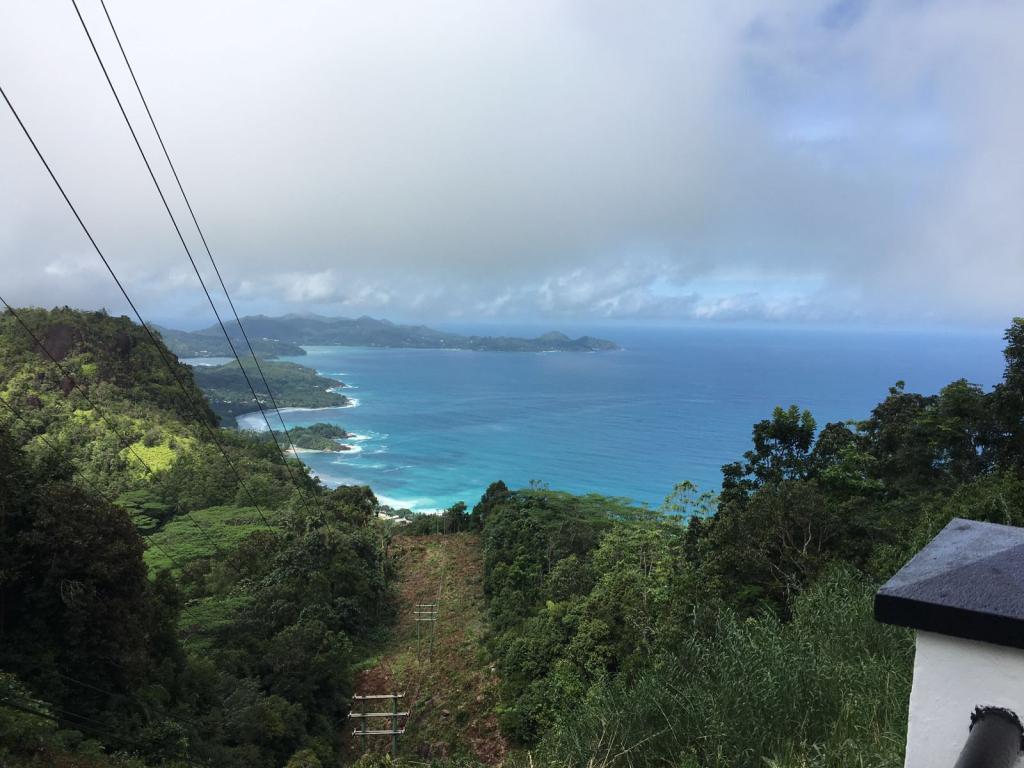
{"points": [[968, 582]]}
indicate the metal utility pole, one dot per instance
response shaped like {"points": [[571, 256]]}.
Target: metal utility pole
{"points": [[425, 612], [364, 717]]}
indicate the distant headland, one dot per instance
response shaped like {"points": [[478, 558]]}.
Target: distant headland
{"points": [[284, 336]]}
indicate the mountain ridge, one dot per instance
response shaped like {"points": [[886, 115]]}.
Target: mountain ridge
{"points": [[285, 335]]}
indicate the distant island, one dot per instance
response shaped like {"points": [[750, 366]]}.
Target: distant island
{"points": [[319, 437], [282, 336]]}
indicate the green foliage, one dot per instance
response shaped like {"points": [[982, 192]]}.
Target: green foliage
{"points": [[145, 508], [221, 640], [20, 729], [496, 493], [151, 452], [293, 385], [827, 688], [743, 636], [304, 758], [114, 352], [543, 556], [356, 504], [455, 519], [686, 500], [200, 534], [315, 437], [75, 596]]}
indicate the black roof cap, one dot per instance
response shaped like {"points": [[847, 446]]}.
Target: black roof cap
{"points": [[967, 582]]}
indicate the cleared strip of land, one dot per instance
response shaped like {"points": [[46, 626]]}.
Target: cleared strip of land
{"points": [[453, 689]]}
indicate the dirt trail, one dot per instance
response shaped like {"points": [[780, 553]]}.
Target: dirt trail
{"points": [[451, 692]]}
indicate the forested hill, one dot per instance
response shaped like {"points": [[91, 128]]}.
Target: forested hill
{"points": [[292, 386], [211, 343], [170, 591], [111, 355], [367, 332]]}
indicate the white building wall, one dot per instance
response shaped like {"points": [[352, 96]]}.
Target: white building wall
{"points": [[952, 676]]}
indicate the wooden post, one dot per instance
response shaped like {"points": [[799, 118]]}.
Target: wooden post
{"points": [[426, 612], [364, 718], [364, 730], [394, 726]]}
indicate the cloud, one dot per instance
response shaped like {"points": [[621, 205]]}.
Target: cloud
{"points": [[529, 158]]}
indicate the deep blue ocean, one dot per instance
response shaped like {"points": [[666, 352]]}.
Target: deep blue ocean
{"points": [[436, 427]]}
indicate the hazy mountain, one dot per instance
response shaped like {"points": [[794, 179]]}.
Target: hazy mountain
{"points": [[275, 336]]}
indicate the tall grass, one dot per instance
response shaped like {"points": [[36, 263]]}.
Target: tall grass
{"points": [[828, 689]]}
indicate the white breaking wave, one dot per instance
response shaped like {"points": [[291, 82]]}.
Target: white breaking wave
{"points": [[352, 449], [420, 506], [253, 421]]}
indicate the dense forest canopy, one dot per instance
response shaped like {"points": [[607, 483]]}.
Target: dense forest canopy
{"points": [[173, 593], [230, 639]]}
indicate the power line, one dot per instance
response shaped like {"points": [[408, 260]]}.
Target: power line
{"points": [[177, 229], [394, 731], [202, 237], [423, 670], [45, 669], [20, 706], [160, 349], [124, 439]]}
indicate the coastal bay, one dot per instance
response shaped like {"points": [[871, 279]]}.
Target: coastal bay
{"points": [[437, 426]]}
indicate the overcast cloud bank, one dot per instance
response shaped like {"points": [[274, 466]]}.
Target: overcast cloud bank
{"points": [[661, 160]]}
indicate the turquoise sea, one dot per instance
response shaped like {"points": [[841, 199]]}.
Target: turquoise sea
{"points": [[435, 426]]}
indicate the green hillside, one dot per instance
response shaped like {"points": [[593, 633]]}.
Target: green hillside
{"points": [[211, 343], [211, 614], [294, 386], [221, 611]]}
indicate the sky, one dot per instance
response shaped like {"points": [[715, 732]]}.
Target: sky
{"points": [[658, 161]]}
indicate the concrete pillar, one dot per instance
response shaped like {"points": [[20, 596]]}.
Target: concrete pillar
{"points": [[964, 594]]}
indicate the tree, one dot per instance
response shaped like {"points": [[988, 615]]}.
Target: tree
{"points": [[782, 445], [767, 549], [496, 494], [455, 519], [687, 500], [782, 451], [1009, 399], [75, 595], [355, 503]]}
